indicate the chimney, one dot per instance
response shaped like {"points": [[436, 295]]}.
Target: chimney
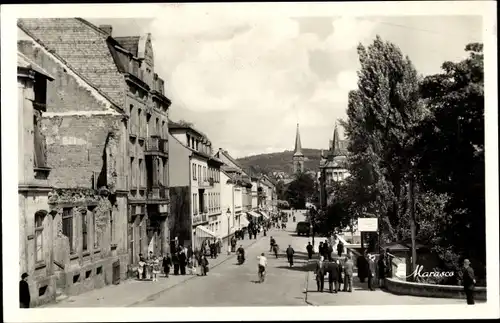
{"points": [[108, 29]]}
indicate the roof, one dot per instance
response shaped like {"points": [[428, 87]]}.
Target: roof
{"points": [[81, 46], [179, 126], [226, 154], [298, 145], [130, 43], [25, 62]]}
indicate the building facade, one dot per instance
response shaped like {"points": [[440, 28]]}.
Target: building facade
{"points": [[106, 127], [204, 184], [36, 224], [333, 167]]}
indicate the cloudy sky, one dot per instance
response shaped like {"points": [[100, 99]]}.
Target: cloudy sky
{"points": [[246, 82]]}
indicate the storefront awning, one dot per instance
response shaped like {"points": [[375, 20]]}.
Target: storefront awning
{"points": [[264, 214], [254, 214], [204, 232], [244, 222]]}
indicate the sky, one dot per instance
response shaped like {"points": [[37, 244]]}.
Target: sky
{"points": [[247, 81]]}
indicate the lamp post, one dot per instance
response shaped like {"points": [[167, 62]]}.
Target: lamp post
{"points": [[228, 232]]}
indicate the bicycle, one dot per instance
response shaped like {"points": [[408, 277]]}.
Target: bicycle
{"points": [[262, 275]]}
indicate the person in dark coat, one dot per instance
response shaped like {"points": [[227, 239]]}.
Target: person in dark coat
{"points": [[361, 264], [289, 254], [340, 248], [166, 263], [310, 250], [175, 262], [24, 292], [370, 269], [382, 269], [468, 281], [233, 244], [333, 277], [320, 274], [330, 252], [321, 249], [189, 252]]}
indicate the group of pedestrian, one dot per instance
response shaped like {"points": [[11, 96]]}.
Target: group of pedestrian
{"points": [[339, 273], [149, 267]]}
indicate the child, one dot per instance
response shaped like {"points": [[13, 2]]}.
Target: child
{"points": [[156, 268], [140, 269], [190, 266]]}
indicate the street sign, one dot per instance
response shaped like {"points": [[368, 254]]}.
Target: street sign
{"points": [[367, 224]]}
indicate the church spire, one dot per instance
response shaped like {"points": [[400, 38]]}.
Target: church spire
{"points": [[336, 142], [298, 145]]}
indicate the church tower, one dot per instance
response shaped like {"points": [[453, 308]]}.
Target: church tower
{"points": [[298, 156]]}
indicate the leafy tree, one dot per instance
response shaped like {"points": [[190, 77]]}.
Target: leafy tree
{"points": [[451, 146], [300, 191], [280, 190], [382, 116]]}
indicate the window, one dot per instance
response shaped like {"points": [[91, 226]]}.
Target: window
{"points": [[111, 229], [141, 174], [84, 232], [67, 221], [140, 237], [131, 249], [163, 133], [199, 172], [139, 122], [194, 171], [132, 173], [96, 230], [39, 141], [39, 216]]}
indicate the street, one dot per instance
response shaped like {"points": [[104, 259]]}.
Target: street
{"points": [[230, 284]]}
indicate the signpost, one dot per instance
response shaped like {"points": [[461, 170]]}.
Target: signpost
{"points": [[367, 225]]}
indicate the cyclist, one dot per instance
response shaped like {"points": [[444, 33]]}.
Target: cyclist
{"points": [[262, 267]]}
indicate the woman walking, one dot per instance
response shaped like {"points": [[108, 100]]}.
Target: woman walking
{"points": [[203, 265], [167, 263]]}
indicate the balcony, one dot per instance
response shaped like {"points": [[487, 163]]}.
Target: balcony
{"points": [[200, 218], [156, 146], [204, 183], [157, 195]]}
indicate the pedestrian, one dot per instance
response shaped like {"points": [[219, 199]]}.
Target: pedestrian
{"points": [[333, 277], [182, 261], [203, 265], [468, 281], [370, 269], [271, 243], [348, 271], [320, 249], [219, 246], [24, 292], [167, 263], [381, 269], [233, 244], [330, 252], [189, 252], [340, 279], [289, 255], [141, 267], [340, 248], [320, 274], [176, 262], [156, 268], [361, 264], [190, 266], [309, 249]]}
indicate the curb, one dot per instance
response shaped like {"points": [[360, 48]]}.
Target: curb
{"points": [[153, 296]]}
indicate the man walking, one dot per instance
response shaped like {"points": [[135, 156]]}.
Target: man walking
{"points": [[320, 274], [370, 270], [333, 277], [289, 255], [468, 281], [348, 271], [309, 249], [271, 243], [24, 292]]}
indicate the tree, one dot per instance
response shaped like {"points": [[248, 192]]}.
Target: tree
{"points": [[280, 190], [383, 114], [451, 146], [300, 191]]}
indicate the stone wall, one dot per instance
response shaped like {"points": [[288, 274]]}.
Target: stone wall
{"points": [[429, 290]]}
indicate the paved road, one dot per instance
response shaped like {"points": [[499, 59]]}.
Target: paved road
{"points": [[230, 284]]}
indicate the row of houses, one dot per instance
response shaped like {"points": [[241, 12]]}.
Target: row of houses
{"points": [[104, 174]]}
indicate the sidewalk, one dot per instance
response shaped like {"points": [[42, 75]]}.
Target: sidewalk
{"points": [[131, 292]]}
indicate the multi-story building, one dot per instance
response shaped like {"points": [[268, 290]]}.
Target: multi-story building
{"points": [[333, 166], [36, 223], [205, 211], [239, 176], [85, 134], [114, 109]]}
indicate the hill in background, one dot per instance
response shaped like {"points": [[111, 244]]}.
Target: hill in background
{"points": [[280, 162]]}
